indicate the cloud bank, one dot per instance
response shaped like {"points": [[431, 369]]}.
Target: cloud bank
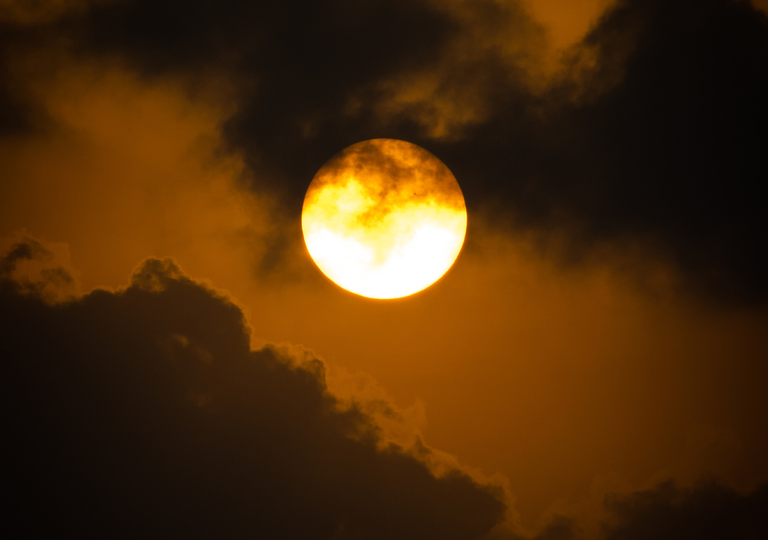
{"points": [[145, 412]]}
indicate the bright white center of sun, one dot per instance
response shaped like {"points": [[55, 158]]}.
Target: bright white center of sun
{"points": [[384, 219]]}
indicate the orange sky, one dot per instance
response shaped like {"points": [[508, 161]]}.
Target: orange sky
{"points": [[567, 381], [512, 359]]}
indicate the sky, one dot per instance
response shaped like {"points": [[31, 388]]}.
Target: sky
{"points": [[593, 366]]}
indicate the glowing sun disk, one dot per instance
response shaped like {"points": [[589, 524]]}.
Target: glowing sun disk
{"points": [[384, 219]]}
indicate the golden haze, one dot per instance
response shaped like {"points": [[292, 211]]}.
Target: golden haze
{"points": [[567, 381]]}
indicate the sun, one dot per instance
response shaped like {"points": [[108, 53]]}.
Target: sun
{"points": [[384, 218]]}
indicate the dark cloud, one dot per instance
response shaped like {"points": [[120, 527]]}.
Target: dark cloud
{"points": [[17, 114], [708, 511], [13, 117], [145, 412], [297, 64], [23, 251], [653, 136], [34, 269], [659, 144]]}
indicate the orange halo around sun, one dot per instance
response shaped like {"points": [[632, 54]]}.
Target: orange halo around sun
{"points": [[384, 218]]}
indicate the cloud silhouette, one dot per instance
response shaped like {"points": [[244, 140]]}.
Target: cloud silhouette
{"points": [[707, 511], [145, 412], [657, 144]]}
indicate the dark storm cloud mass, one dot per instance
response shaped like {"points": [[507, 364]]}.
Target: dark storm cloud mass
{"points": [[654, 137], [671, 153], [144, 412], [298, 62]]}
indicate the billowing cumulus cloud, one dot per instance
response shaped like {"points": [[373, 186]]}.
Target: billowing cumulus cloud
{"points": [[145, 412]]}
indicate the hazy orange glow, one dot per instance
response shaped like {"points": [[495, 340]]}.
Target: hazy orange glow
{"points": [[564, 376], [131, 176], [384, 218]]}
